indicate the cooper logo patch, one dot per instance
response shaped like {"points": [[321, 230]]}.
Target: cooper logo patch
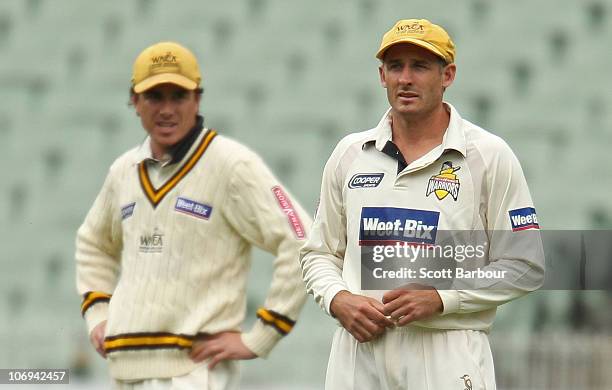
{"points": [[292, 216], [390, 225], [522, 219], [445, 183], [366, 180], [127, 210], [193, 208]]}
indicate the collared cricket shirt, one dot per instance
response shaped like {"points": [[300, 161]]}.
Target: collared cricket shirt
{"points": [[164, 253], [472, 182]]}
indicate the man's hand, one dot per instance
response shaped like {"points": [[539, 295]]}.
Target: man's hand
{"points": [[361, 316], [218, 347], [96, 337], [412, 303]]}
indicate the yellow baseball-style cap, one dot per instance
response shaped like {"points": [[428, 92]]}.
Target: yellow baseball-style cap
{"points": [[420, 32], [165, 62]]}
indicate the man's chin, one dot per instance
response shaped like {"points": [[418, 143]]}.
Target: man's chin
{"points": [[406, 109], [166, 141]]}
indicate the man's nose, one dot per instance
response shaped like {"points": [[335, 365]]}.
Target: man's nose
{"points": [[167, 108], [405, 76]]}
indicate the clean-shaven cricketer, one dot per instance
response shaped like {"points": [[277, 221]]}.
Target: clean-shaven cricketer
{"points": [[427, 170], [163, 255]]}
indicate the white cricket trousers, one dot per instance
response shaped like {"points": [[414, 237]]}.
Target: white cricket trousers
{"points": [[225, 376], [411, 358]]}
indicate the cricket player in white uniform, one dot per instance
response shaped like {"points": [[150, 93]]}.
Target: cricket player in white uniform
{"points": [[421, 172], [163, 255]]}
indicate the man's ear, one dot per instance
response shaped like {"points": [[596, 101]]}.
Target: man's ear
{"points": [[134, 100], [448, 75], [381, 73]]}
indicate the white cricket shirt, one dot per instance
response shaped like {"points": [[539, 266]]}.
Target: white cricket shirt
{"points": [[471, 182]]}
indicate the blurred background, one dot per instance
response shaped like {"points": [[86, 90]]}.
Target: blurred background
{"points": [[289, 79]]}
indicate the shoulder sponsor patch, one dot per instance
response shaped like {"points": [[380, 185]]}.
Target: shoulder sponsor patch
{"points": [[444, 183], [365, 180], [193, 208], [390, 225], [287, 208], [127, 210], [522, 219]]}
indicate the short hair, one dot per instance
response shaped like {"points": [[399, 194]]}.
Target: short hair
{"points": [[441, 61], [199, 91]]}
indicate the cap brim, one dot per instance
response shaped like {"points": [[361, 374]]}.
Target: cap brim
{"points": [[418, 42], [165, 78]]}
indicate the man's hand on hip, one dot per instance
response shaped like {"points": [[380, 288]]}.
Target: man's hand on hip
{"points": [[96, 337], [220, 346], [361, 316], [412, 303]]}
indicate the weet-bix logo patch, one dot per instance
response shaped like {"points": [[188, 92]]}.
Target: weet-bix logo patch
{"points": [[522, 219], [127, 210], [193, 208], [389, 225]]}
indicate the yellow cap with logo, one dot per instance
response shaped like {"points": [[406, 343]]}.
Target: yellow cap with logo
{"points": [[420, 32], [165, 62]]}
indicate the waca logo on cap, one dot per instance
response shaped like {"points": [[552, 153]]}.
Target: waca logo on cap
{"points": [[167, 60], [415, 27]]}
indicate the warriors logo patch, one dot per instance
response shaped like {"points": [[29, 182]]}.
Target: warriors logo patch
{"points": [[445, 183]]}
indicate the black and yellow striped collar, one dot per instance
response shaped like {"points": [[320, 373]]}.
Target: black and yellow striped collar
{"points": [[155, 195], [178, 151]]}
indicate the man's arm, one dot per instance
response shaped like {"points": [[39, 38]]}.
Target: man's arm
{"points": [[266, 215], [322, 260], [322, 257], [519, 253], [98, 247]]}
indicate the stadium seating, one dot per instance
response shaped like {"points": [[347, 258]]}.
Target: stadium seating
{"points": [[289, 79]]}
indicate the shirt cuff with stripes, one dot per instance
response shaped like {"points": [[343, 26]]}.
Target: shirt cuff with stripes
{"points": [[267, 331]]}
